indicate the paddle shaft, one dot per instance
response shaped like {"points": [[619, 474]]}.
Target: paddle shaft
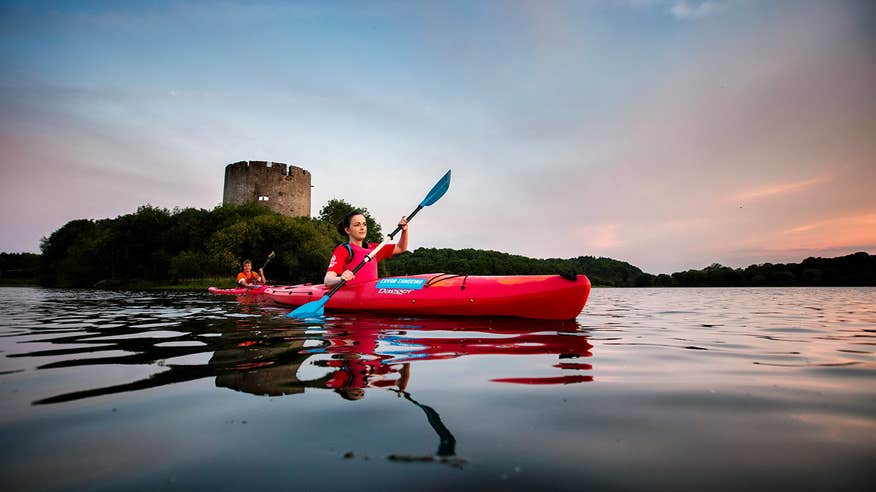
{"points": [[409, 217], [358, 267], [267, 261]]}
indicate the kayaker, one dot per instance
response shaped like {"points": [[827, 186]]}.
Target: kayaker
{"points": [[248, 278], [346, 256]]}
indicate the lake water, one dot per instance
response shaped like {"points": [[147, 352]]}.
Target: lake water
{"points": [[649, 389]]}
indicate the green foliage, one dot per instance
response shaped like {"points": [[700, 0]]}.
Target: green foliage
{"points": [[302, 245], [155, 244], [72, 254], [857, 269], [335, 210], [854, 270], [19, 268], [600, 271], [187, 265]]}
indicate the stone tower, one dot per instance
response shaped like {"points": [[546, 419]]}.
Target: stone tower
{"points": [[284, 189]]}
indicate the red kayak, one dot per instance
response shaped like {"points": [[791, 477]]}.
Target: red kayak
{"points": [[525, 296], [239, 291]]}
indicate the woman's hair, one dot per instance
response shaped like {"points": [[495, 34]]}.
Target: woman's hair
{"points": [[345, 222], [351, 394]]}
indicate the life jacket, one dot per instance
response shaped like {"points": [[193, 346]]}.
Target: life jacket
{"points": [[248, 277], [369, 271], [349, 253]]}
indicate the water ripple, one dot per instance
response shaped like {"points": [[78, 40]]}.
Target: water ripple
{"points": [[720, 384]]}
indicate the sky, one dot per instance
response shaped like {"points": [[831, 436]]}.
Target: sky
{"points": [[671, 134]]}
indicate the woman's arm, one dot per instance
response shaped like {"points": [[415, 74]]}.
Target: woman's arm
{"points": [[332, 278], [402, 244]]}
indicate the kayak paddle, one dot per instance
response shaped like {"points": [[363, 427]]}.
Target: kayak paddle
{"points": [[270, 257], [317, 307], [262, 286]]}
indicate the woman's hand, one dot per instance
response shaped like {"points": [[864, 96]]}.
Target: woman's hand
{"points": [[347, 275], [403, 223]]}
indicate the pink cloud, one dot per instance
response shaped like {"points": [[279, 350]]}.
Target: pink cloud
{"points": [[771, 190], [600, 237], [832, 233]]}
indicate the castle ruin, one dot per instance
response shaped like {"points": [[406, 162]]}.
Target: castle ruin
{"points": [[283, 189]]}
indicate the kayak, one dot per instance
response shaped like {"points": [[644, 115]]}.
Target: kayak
{"points": [[525, 296], [238, 291]]}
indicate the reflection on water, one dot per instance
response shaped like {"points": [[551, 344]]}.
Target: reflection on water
{"points": [[734, 386], [248, 346], [247, 354]]}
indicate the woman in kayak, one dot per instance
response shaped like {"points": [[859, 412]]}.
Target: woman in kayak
{"points": [[248, 278], [346, 256]]}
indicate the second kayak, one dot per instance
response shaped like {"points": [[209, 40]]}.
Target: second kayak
{"points": [[238, 291]]}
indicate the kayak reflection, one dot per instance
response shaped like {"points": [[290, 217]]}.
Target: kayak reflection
{"points": [[275, 356], [372, 353], [368, 354]]}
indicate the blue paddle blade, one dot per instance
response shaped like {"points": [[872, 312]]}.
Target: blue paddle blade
{"points": [[311, 309], [437, 191]]}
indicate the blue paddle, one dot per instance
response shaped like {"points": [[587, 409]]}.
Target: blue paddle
{"points": [[317, 307]]}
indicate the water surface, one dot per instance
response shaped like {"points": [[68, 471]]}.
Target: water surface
{"points": [[649, 389]]}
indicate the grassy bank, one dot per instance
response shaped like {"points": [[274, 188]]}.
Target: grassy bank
{"points": [[18, 282], [190, 285]]}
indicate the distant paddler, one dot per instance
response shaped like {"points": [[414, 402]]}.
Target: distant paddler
{"points": [[250, 279]]}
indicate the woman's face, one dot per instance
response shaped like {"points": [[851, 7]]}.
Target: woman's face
{"points": [[358, 228]]}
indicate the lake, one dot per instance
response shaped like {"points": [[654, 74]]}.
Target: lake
{"points": [[649, 389]]}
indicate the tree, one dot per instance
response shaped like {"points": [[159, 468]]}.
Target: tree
{"points": [[335, 210]]}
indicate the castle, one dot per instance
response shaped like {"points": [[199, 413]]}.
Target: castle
{"points": [[284, 189]]}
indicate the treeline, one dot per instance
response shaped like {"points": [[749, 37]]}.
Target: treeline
{"points": [[156, 244], [19, 268], [858, 269], [600, 271], [181, 245], [163, 246]]}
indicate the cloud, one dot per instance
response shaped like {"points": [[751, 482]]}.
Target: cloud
{"points": [[835, 236], [778, 189], [599, 237], [834, 232], [684, 10]]}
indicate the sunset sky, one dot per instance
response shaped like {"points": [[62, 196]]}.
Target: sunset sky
{"points": [[669, 134]]}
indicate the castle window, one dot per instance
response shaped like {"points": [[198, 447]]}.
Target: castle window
{"points": [[263, 198]]}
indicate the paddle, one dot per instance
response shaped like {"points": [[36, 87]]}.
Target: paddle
{"points": [[270, 257], [317, 307], [447, 443], [261, 271]]}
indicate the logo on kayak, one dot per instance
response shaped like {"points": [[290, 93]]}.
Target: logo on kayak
{"points": [[394, 292], [400, 284]]}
